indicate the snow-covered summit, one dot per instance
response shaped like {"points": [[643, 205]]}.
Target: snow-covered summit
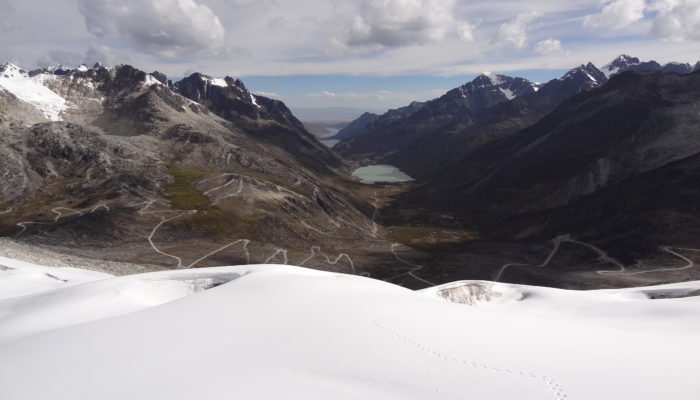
{"points": [[31, 89], [625, 63], [621, 63], [584, 76], [495, 79], [9, 70], [500, 87]]}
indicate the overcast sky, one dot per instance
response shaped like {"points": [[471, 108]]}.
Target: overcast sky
{"points": [[361, 53]]}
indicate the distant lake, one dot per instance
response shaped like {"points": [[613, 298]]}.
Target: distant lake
{"points": [[330, 132], [330, 142], [380, 173]]}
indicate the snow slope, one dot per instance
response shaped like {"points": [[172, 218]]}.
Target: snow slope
{"points": [[281, 332], [32, 90], [19, 278]]}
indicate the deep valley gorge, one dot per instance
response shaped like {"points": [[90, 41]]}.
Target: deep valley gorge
{"points": [[126, 166]]}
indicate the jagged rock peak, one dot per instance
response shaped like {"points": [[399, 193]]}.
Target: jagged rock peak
{"points": [[625, 63], [587, 72], [619, 64], [161, 77], [678, 68], [508, 86], [490, 79]]}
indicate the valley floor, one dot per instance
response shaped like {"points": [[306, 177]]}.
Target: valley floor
{"points": [[277, 331]]}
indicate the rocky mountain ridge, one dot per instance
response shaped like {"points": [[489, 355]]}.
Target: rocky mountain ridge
{"points": [[585, 171], [434, 135], [121, 160], [625, 62], [429, 141]]}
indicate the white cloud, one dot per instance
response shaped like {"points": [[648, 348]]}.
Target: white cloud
{"points": [[271, 95], [395, 23], [380, 95], [6, 16], [94, 54], [103, 55], [60, 56], [616, 14], [548, 46], [677, 20], [166, 28], [324, 93], [514, 32], [277, 23], [246, 3], [465, 31]]}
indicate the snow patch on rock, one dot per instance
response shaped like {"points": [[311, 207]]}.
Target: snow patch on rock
{"points": [[253, 100], [215, 81], [508, 93], [150, 80], [494, 78]]}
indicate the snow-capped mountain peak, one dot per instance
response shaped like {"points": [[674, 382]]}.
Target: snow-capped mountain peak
{"points": [[621, 63], [494, 78], [9, 70], [31, 89], [586, 72], [505, 87], [625, 63]]}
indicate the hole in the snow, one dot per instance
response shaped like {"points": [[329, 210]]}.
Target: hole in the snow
{"points": [[659, 294], [476, 293]]}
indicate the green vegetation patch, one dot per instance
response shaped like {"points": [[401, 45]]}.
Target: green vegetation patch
{"points": [[430, 236], [182, 194], [223, 224]]}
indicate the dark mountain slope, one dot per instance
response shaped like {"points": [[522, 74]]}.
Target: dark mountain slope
{"points": [[429, 140], [627, 63], [638, 122], [136, 171], [615, 165], [355, 127], [267, 119]]}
